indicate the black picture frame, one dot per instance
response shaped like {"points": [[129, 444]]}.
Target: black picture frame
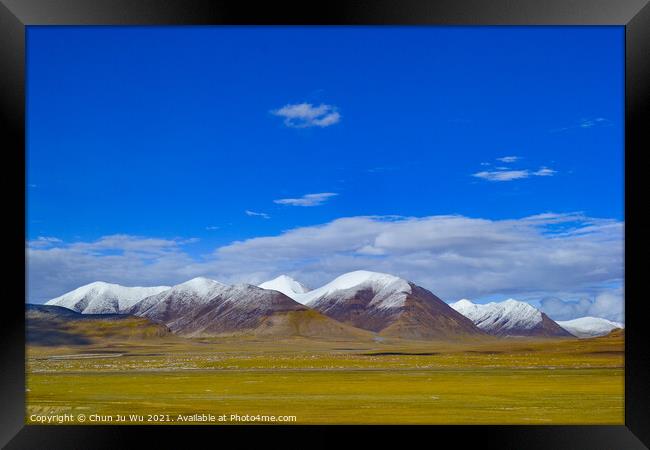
{"points": [[15, 15]]}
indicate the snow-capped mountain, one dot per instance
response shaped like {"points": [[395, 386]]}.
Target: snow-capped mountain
{"points": [[356, 281], [203, 307], [586, 327], [104, 298], [353, 302], [285, 284], [386, 304], [190, 294], [509, 318]]}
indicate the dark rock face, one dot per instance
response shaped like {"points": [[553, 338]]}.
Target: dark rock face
{"points": [[510, 318], [549, 328], [242, 309], [237, 309], [412, 313]]}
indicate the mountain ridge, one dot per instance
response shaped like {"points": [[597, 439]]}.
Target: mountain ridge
{"points": [[104, 298], [510, 318], [216, 309], [359, 302], [388, 305]]}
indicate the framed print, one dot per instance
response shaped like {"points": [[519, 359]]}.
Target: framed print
{"points": [[357, 220]]}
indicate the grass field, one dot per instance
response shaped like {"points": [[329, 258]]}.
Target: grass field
{"points": [[500, 381]]}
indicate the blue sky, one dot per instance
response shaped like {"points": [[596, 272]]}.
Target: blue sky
{"points": [[196, 135]]}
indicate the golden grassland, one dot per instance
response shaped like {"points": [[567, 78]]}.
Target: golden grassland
{"points": [[493, 381]]}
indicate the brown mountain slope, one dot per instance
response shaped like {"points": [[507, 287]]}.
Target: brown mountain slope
{"points": [[308, 323], [549, 328], [55, 325], [210, 309], [391, 307]]}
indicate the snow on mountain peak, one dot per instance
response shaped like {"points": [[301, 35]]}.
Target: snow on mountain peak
{"points": [[196, 291], [463, 303], [512, 306], [200, 286], [285, 284], [100, 297], [391, 286], [246, 295], [506, 315], [352, 279], [585, 327]]}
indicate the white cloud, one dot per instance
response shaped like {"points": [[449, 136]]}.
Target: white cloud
{"points": [[454, 256], [608, 304], [307, 200], [257, 214], [124, 259], [590, 123], [544, 172], [503, 174], [546, 255], [586, 124], [44, 241], [131, 244], [305, 115]]}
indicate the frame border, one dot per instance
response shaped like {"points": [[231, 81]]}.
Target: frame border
{"points": [[15, 15]]}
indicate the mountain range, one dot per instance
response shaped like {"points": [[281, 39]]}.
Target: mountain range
{"points": [[104, 298], [510, 318], [204, 307], [385, 304], [358, 304]]}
